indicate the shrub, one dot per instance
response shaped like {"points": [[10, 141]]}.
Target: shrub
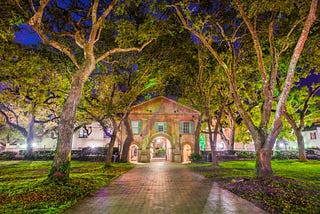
{"points": [[43, 155], [7, 155], [285, 155], [245, 154], [196, 158], [93, 154], [313, 153]]}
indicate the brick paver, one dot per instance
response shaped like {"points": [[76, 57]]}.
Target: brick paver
{"points": [[162, 188]]}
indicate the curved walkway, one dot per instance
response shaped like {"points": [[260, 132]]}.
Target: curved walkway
{"points": [[162, 188]]}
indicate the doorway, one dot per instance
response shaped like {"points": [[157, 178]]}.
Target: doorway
{"points": [[160, 149], [133, 153], [186, 153]]}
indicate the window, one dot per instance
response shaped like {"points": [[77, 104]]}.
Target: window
{"points": [[160, 126], [313, 135], [186, 127], [136, 127], [83, 133]]}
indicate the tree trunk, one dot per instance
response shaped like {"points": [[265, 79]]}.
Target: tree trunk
{"points": [[61, 165], [232, 136], [263, 162], [129, 139], [300, 140], [109, 155], [30, 137], [297, 132], [197, 136], [211, 140]]}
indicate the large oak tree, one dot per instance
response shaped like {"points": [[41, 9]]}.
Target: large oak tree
{"points": [[274, 28], [87, 32]]}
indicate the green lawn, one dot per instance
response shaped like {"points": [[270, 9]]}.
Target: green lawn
{"points": [[302, 171], [294, 188], [24, 188]]}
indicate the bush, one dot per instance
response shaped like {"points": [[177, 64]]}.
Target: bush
{"points": [[246, 154], [285, 155], [93, 154], [43, 155], [196, 158], [313, 153], [7, 155]]}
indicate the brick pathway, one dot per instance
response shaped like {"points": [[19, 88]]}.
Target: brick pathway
{"points": [[162, 188]]}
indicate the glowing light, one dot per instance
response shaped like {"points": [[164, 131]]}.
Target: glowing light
{"points": [[281, 145], [222, 145]]}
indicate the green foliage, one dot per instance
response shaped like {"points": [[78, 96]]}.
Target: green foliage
{"points": [[161, 151], [24, 189], [10, 18], [196, 158], [285, 155], [245, 154], [35, 82], [7, 155], [40, 155]]}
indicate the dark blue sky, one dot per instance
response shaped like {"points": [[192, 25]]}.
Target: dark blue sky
{"points": [[26, 36]]}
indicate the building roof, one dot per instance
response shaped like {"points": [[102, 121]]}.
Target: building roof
{"points": [[162, 105]]}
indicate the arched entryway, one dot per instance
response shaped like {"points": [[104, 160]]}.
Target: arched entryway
{"points": [[186, 153], [160, 148]]}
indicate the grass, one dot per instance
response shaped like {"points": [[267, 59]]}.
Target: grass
{"points": [[294, 188], [24, 187]]}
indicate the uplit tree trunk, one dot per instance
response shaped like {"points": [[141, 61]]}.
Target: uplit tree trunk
{"points": [[300, 140], [297, 132], [211, 139], [216, 132], [232, 136], [232, 124], [299, 126], [30, 137], [197, 136], [113, 136], [127, 142], [263, 162], [61, 165]]}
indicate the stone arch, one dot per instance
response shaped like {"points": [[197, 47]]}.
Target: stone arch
{"points": [[160, 134], [168, 146]]}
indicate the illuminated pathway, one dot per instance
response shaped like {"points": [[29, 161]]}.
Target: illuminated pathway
{"points": [[162, 188]]}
